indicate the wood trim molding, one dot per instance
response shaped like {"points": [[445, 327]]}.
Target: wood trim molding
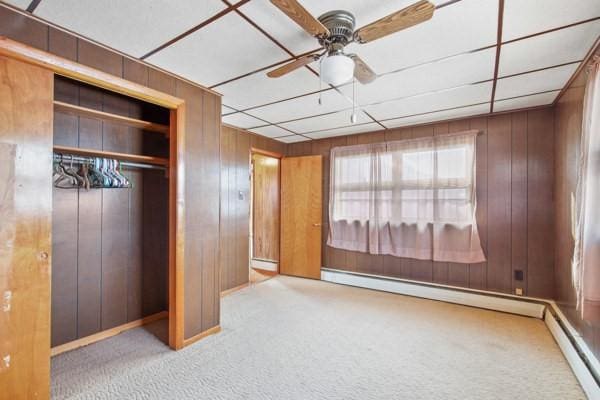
{"points": [[80, 72], [498, 50], [74, 70], [234, 289], [75, 344], [176, 227], [255, 150], [202, 335]]}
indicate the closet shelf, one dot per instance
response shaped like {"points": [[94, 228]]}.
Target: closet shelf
{"points": [[109, 154], [90, 112]]}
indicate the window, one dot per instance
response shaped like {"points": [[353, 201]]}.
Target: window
{"points": [[423, 185]]}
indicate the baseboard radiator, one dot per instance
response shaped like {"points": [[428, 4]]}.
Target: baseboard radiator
{"points": [[581, 360]]}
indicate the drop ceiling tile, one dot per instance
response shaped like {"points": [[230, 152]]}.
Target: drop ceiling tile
{"points": [[522, 18], [23, 4], [258, 89], [347, 130], [301, 107], [534, 82], [279, 26], [438, 116], [323, 122], [292, 139], [456, 28], [527, 101], [558, 47], [456, 71], [222, 50], [458, 97], [271, 131], [242, 120], [226, 110], [134, 27]]}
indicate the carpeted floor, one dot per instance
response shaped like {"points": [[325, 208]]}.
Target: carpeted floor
{"points": [[290, 338]]}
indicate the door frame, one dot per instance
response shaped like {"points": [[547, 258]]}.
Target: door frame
{"points": [[73, 70], [272, 154]]}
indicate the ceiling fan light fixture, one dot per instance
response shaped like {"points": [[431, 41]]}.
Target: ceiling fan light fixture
{"points": [[337, 69]]}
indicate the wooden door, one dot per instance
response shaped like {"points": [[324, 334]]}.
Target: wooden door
{"points": [[265, 208], [301, 216], [26, 114]]}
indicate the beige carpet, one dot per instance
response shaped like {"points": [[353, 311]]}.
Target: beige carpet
{"points": [[290, 338]]}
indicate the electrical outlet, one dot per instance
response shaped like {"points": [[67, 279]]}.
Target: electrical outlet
{"points": [[518, 274], [519, 291]]}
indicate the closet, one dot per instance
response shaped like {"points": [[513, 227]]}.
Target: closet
{"points": [[110, 241]]}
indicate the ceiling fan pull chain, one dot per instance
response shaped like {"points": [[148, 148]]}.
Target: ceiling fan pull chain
{"points": [[320, 82], [353, 116]]}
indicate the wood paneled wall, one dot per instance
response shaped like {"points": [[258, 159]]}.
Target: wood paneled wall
{"points": [[201, 268], [110, 246], [236, 148], [515, 178], [569, 116]]}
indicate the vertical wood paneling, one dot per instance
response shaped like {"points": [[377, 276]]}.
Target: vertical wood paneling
{"points": [[235, 210], [504, 184], [25, 229], [23, 29], [519, 199], [499, 203], [478, 272], [540, 210]]}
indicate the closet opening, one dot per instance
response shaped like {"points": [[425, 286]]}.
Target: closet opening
{"points": [[110, 215], [264, 215]]}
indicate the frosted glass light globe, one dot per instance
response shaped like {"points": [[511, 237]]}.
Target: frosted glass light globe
{"points": [[337, 69]]}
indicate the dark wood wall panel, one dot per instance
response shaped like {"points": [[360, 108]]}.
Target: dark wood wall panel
{"points": [[110, 263], [202, 201], [568, 121], [509, 170], [236, 148]]}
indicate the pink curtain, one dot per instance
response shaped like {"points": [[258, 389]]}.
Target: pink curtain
{"points": [[586, 257], [411, 198]]}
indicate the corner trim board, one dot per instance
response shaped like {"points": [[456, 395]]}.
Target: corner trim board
{"points": [[96, 337], [202, 335]]}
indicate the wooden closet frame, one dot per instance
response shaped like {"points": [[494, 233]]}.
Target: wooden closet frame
{"points": [[73, 70]]}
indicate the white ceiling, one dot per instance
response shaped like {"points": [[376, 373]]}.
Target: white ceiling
{"points": [[440, 69]]}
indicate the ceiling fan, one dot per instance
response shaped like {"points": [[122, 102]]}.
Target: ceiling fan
{"points": [[335, 30]]}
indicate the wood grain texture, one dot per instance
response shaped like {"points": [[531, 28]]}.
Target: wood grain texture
{"points": [[301, 16], [504, 184], [292, 66], [236, 148], [25, 231], [568, 123], [301, 216], [412, 15], [110, 246], [265, 204]]}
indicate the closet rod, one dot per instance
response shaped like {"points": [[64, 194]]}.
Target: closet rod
{"points": [[89, 160]]}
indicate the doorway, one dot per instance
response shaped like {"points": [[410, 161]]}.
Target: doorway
{"points": [[264, 215]]}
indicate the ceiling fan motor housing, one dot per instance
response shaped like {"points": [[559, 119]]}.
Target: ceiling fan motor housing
{"points": [[341, 26]]}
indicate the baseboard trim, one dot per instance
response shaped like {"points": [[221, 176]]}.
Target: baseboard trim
{"points": [[582, 361], [265, 265], [480, 299], [234, 289], [96, 337], [201, 335]]}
